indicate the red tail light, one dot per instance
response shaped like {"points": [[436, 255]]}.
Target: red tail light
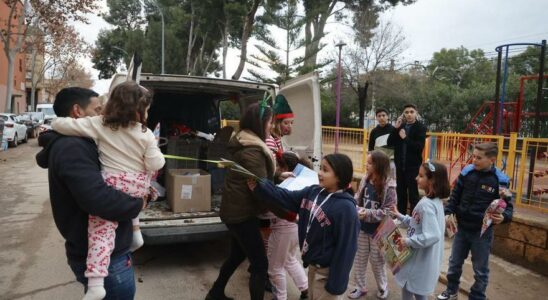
{"points": [[9, 125]]}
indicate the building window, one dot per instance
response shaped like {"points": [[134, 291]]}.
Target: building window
{"points": [[20, 65]]}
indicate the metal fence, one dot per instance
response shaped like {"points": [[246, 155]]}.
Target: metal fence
{"points": [[524, 160]]}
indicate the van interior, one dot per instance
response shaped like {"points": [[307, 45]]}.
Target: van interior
{"points": [[181, 109]]}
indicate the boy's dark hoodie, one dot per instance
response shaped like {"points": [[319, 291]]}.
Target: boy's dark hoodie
{"points": [[333, 236], [77, 190]]}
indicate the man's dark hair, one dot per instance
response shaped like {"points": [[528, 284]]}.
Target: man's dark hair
{"points": [[413, 106], [252, 121], [67, 97], [379, 110]]}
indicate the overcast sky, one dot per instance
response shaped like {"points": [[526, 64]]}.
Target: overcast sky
{"points": [[428, 25]]}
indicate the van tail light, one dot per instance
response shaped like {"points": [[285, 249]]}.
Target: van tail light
{"points": [[9, 125]]}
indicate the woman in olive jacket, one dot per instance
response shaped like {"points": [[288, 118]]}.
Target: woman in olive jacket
{"points": [[240, 207]]}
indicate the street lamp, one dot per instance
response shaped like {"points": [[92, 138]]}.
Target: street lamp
{"points": [[163, 24], [338, 113]]}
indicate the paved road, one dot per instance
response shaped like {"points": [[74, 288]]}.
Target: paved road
{"points": [[33, 265]]}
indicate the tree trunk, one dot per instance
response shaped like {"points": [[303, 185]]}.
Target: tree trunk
{"points": [[307, 42], [9, 81], [190, 39], [248, 28], [362, 101], [312, 40], [225, 49], [32, 80], [208, 63]]}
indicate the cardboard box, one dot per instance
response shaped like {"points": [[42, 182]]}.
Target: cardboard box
{"points": [[188, 190]]}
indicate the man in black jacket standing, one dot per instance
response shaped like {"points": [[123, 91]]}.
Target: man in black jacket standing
{"points": [[77, 190], [379, 135], [408, 139]]}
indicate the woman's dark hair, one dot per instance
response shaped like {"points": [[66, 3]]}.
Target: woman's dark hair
{"points": [[290, 160], [342, 167], [381, 165], [252, 121], [437, 173], [127, 104]]}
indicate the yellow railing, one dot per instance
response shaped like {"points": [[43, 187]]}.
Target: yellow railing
{"points": [[455, 149], [532, 175], [352, 142], [524, 160]]}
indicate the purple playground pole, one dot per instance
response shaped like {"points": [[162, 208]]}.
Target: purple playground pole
{"points": [[338, 113]]}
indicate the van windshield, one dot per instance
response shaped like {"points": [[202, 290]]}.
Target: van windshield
{"points": [[46, 110]]}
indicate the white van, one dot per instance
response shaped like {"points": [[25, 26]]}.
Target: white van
{"points": [[194, 102], [46, 109]]}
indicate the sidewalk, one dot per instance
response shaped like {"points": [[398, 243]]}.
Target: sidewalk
{"points": [[506, 281]]}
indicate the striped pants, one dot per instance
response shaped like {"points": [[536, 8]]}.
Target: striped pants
{"points": [[368, 250]]}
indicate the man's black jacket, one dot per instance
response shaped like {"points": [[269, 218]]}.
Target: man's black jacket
{"points": [[77, 190], [414, 144]]}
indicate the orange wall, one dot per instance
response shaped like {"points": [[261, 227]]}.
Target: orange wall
{"points": [[20, 103]]}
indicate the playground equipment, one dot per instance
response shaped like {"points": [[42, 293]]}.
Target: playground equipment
{"points": [[511, 116]]}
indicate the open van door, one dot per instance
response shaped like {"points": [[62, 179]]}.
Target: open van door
{"points": [[303, 95], [133, 73]]}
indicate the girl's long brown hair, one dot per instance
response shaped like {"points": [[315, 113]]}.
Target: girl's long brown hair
{"points": [[127, 104], [381, 166]]}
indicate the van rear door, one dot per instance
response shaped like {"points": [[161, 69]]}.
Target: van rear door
{"points": [[303, 95]]}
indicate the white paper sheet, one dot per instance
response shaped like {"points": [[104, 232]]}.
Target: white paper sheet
{"points": [[303, 177]]}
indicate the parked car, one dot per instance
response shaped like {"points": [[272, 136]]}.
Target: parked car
{"points": [[14, 132], [32, 120], [45, 126]]}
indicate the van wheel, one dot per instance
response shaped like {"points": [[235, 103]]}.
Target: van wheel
{"points": [[14, 142]]}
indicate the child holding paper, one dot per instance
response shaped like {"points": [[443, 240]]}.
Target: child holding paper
{"points": [[328, 225], [419, 275], [375, 195]]}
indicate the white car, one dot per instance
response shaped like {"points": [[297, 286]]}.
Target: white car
{"points": [[14, 132]]}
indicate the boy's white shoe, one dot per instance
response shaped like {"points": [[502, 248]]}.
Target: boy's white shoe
{"points": [[137, 241], [446, 295], [95, 293]]}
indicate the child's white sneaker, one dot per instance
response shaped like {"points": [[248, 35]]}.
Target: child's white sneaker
{"points": [[137, 241], [446, 295], [382, 294], [95, 293], [357, 293]]}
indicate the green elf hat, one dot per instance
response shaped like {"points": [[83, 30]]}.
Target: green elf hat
{"points": [[282, 110]]}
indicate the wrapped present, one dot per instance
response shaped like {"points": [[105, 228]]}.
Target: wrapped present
{"points": [[496, 207], [451, 226]]}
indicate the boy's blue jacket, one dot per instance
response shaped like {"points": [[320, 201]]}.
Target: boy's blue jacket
{"points": [[473, 193], [333, 236]]}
